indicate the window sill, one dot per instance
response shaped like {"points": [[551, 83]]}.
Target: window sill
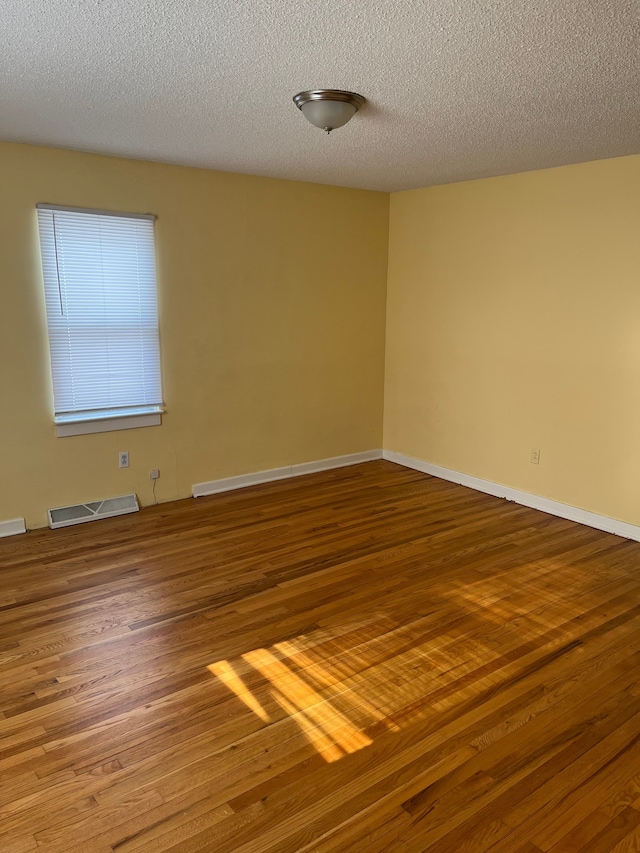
{"points": [[66, 426]]}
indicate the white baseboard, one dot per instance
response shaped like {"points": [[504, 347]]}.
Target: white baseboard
{"points": [[11, 528], [214, 487], [582, 516]]}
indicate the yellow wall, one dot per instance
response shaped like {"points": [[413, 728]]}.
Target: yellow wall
{"points": [[513, 322], [272, 301]]}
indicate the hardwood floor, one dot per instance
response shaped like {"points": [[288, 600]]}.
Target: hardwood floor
{"points": [[362, 660]]}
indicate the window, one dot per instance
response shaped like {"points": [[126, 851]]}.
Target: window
{"points": [[102, 316]]}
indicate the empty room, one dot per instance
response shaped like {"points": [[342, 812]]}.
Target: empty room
{"points": [[319, 430]]}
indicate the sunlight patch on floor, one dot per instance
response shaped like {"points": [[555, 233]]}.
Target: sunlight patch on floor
{"points": [[226, 673], [330, 731], [340, 687], [333, 691]]}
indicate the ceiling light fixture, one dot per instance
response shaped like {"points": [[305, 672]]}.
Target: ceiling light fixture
{"points": [[328, 108]]}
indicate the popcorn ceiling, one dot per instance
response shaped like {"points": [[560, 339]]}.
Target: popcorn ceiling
{"points": [[456, 89]]}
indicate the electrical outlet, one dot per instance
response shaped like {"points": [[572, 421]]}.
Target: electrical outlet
{"points": [[123, 459], [535, 457], [154, 474]]}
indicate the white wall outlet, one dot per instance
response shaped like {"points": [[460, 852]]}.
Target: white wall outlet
{"points": [[123, 459], [535, 457], [154, 474]]}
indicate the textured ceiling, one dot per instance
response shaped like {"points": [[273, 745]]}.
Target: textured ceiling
{"points": [[456, 89]]}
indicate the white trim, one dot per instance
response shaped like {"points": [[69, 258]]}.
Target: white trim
{"points": [[214, 487], [582, 516], [108, 424], [13, 527]]}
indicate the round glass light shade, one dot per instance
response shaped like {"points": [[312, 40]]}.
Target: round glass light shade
{"points": [[328, 108], [327, 115]]}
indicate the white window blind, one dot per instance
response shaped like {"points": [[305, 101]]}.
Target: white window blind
{"points": [[102, 314]]}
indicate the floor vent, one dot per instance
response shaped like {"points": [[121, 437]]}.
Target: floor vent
{"points": [[63, 516]]}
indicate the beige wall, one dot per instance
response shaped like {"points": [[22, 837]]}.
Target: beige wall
{"points": [[272, 301], [513, 322]]}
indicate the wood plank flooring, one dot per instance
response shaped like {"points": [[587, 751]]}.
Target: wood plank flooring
{"points": [[362, 660]]}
